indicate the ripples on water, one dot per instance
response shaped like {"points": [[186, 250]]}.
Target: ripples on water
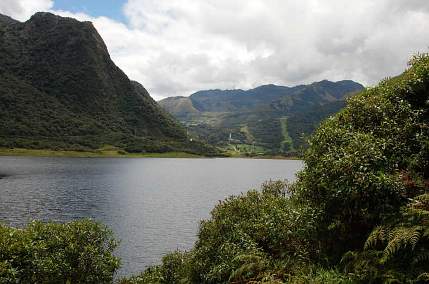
{"points": [[153, 205]]}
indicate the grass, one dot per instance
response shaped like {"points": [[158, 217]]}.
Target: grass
{"points": [[239, 150], [287, 143], [253, 152], [277, 157], [102, 153], [107, 152]]}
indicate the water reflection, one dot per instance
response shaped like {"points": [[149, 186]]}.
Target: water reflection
{"points": [[152, 205]]}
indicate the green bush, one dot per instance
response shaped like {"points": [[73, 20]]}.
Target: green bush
{"points": [[257, 236], [251, 229], [174, 269], [75, 252], [397, 251], [366, 170], [319, 275], [357, 161]]}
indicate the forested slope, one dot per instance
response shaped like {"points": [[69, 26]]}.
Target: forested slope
{"points": [[275, 119], [59, 89], [358, 212]]}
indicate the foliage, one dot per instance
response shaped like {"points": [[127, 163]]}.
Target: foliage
{"points": [[75, 252], [257, 236], [249, 230], [315, 274], [365, 162], [358, 212], [398, 251], [174, 269]]}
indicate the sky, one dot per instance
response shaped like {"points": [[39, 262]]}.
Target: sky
{"points": [[177, 47], [95, 8]]}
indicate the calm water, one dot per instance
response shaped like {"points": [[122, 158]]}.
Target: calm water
{"points": [[153, 205]]}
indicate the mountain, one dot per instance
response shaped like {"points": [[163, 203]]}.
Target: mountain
{"points": [[268, 118], [60, 89]]}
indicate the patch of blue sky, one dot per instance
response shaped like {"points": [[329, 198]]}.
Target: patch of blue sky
{"points": [[95, 8]]}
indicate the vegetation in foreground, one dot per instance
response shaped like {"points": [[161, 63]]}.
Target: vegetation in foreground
{"points": [[76, 252], [358, 213]]}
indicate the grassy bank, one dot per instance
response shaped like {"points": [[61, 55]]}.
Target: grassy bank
{"points": [[115, 153], [263, 157], [255, 152], [230, 154], [276, 157], [91, 154]]}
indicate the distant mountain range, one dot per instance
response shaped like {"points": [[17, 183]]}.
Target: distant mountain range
{"points": [[269, 119], [60, 89]]}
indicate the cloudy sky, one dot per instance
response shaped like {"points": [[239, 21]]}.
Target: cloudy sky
{"points": [[177, 47]]}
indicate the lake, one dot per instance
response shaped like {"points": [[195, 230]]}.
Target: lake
{"points": [[152, 205]]}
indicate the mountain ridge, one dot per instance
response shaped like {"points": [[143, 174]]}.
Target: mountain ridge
{"points": [[265, 94], [249, 115], [60, 89]]}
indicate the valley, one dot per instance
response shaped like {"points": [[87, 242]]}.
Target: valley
{"points": [[267, 120]]}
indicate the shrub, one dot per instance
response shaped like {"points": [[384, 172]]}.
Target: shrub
{"points": [[249, 237], [397, 251], [75, 252], [174, 268], [367, 170], [357, 160]]}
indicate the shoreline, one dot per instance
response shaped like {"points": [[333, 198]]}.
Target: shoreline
{"points": [[22, 152]]}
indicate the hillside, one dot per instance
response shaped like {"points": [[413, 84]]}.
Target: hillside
{"points": [[266, 119], [357, 213], [59, 89]]}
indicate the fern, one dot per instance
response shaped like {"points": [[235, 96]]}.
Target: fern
{"points": [[426, 232], [378, 234], [418, 213], [249, 267], [397, 238], [423, 277], [401, 237], [424, 199], [404, 243], [421, 257]]}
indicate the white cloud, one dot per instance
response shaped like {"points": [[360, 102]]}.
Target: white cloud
{"points": [[23, 9], [176, 47]]}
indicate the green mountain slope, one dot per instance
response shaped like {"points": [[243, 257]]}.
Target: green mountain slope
{"points": [[270, 118], [357, 213], [60, 89]]}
